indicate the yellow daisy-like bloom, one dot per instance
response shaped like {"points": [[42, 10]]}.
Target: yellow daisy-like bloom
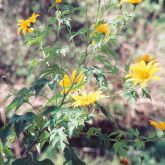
{"points": [[25, 25], [103, 28], [146, 58], [134, 2], [33, 18], [141, 73], [85, 99], [69, 81], [58, 1], [160, 125]]}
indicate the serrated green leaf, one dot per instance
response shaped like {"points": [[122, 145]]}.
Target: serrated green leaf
{"points": [[133, 132], [120, 148], [139, 144], [58, 138]]}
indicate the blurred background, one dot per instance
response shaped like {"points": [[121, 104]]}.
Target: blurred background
{"points": [[145, 33]]}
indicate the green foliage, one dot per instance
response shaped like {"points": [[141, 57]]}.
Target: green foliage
{"points": [[121, 148], [51, 125]]}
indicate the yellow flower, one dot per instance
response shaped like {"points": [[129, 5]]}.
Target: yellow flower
{"points": [[85, 99], [134, 2], [72, 80], [141, 73], [160, 125], [25, 25], [104, 28], [58, 1], [32, 19], [146, 58]]}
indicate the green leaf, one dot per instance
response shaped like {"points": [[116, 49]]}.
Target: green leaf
{"points": [[152, 135], [133, 132], [108, 51], [93, 131], [39, 85], [127, 66], [58, 138], [117, 133], [71, 157], [104, 139], [139, 144], [28, 161], [21, 97], [5, 131], [99, 76], [52, 69], [120, 148], [146, 93], [20, 121], [105, 112], [51, 109], [160, 133]]}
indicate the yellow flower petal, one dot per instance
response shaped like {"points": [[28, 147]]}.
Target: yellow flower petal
{"points": [[160, 125], [141, 72], [72, 80], [85, 99]]}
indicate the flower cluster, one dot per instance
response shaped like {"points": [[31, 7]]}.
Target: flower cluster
{"points": [[72, 84], [26, 25]]}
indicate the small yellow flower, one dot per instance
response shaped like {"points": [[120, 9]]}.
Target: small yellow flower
{"points": [[160, 125], [58, 1], [25, 25], [85, 99], [33, 18], [72, 80], [141, 73], [104, 28], [134, 2], [146, 58]]}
